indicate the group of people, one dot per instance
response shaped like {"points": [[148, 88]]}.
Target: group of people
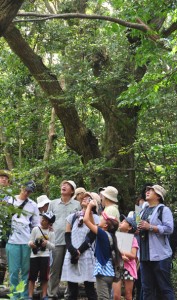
{"points": [[73, 239]]}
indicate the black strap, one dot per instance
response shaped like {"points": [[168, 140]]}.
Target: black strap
{"points": [[42, 232], [23, 204], [74, 219]]}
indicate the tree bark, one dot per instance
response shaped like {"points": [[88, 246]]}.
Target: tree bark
{"points": [[120, 124], [78, 137], [51, 136], [8, 10]]}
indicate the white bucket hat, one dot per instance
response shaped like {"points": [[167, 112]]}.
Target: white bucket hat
{"points": [[110, 193], [72, 183], [42, 200]]}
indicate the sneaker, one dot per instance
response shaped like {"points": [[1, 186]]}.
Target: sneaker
{"points": [[45, 298]]}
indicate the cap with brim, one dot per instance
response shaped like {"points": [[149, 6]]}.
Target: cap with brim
{"points": [[42, 200], [158, 189], [29, 186], [49, 216], [130, 221], [110, 193]]}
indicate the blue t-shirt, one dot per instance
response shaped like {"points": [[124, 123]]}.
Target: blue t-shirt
{"points": [[103, 264]]}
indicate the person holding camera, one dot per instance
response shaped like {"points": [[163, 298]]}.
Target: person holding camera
{"points": [[79, 260], [42, 240]]}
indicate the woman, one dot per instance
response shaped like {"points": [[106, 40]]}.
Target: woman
{"points": [[79, 259]]}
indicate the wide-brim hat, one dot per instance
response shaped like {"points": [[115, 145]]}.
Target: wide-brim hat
{"points": [[42, 200], [110, 193], [78, 191], [130, 221], [159, 190], [94, 196]]}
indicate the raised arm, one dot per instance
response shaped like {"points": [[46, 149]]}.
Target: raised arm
{"points": [[88, 217]]}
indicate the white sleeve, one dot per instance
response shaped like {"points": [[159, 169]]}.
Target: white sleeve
{"points": [[32, 236], [35, 220], [51, 241]]}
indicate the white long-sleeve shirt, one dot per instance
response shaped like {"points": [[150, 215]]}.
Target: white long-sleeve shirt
{"points": [[49, 235]]}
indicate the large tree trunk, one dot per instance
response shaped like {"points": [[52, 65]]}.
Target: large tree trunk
{"points": [[120, 125], [8, 10], [117, 148], [77, 136]]}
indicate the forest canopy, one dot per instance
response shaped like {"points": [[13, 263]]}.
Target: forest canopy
{"points": [[88, 93]]}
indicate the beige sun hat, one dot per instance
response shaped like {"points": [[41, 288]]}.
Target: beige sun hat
{"points": [[159, 190], [94, 196], [110, 193], [78, 191], [42, 200]]}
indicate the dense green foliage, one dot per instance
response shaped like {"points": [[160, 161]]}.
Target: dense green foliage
{"points": [[96, 63]]}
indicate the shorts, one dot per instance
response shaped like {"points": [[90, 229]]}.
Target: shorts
{"points": [[126, 275], [39, 266]]}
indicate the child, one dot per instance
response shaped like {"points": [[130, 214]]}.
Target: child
{"points": [[41, 241], [130, 271], [104, 269]]}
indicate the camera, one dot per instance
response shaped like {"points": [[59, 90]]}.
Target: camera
{"points": [[39, 247]]}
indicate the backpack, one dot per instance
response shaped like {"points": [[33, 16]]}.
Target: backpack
{"points": [[118, 268], [172, 237]]}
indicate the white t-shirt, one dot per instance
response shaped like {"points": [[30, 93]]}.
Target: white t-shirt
{"points": [[21, 226]]}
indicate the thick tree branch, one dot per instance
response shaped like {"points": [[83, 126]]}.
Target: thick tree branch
{"points": [[8, 9], [42, 17], [77, 136], [140, 25], [170, 30]]}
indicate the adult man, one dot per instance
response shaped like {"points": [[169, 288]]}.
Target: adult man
{"points": [[4, 184], [17, 250], [155, 251], [61, 208]]}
